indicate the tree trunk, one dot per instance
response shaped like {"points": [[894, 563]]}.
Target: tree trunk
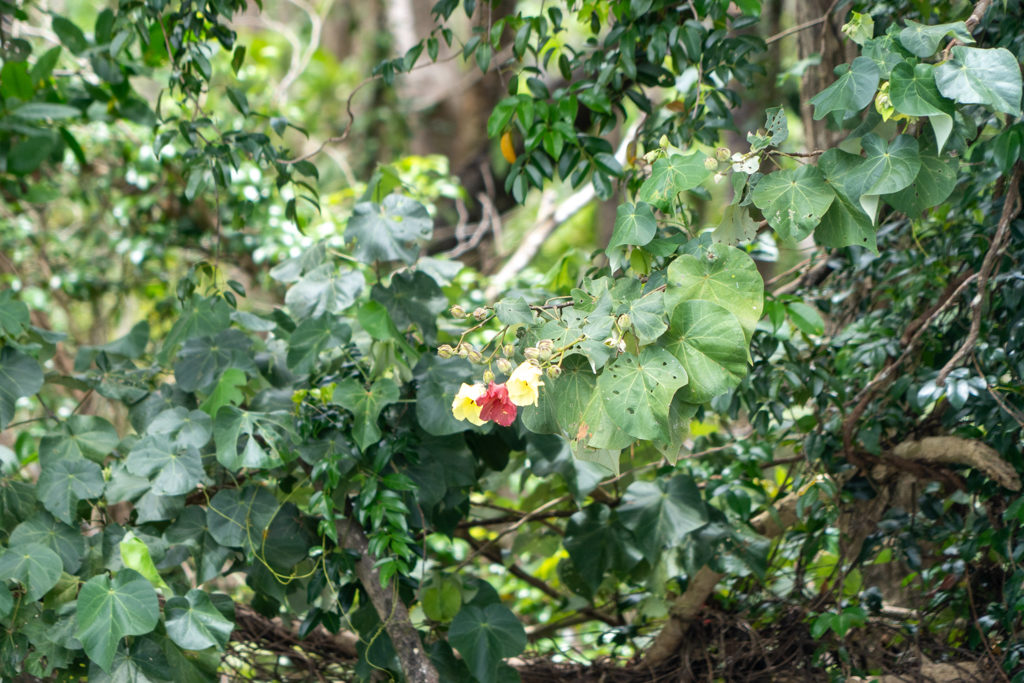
{"points": [[825, 39], [389, 607]]}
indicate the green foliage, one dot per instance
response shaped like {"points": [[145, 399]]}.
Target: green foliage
{"points": [[290, 435]]}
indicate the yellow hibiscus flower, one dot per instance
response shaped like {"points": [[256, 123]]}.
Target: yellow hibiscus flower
{"points": [[524, 383], [464, 407]]}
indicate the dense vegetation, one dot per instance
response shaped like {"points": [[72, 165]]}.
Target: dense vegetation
{"points": [[744, 402]]}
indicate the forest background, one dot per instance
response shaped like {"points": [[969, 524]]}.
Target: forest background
{"points": [[759, 264]]}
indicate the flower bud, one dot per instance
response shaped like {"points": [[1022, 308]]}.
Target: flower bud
{"points": [[545, 345], [624, 321], [663, 142], [544, 355], [504, 365], [480, 313], [531, 353], [475, 356], [723, 153], [457, 311], [554, 371], [711, 164], [488, 376], [509, 350], [462, 351], [445, 351]]}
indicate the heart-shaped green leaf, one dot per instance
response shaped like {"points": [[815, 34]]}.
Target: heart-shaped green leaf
{"points": [[637, 390], [988, 76], [110, 609], [852, 91], [709, 342], [793, 201], [672, 175], [33, 565], [486, 635], [193, 622]]}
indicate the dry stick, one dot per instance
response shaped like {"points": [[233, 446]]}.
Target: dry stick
{"points": [[795, 29], [1011, 207]]}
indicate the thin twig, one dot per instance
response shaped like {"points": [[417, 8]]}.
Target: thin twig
{"points": [[795, 29], [1011, 207]]}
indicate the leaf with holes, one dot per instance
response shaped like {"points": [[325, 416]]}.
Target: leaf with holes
{"points": [[720, 274], [637, 391], [110, 609], [736, 227], [793, 201], [246, 439], [709, 342]]}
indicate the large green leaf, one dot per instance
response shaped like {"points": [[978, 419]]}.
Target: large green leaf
{"points": [[634, 224], [660, 513], [988, 76], [437, 381], [324, 290], [201, 316], [20, 375], [202, 359], [736, 227], [44, 529], [853, 91], [313, 336], [365, 406], [85, 436], [33, 565], [412, 298], [923, 40], [13, 315], [245, 439], [845, 224], [484, 636], [935, 182], [238, 517], [174, 469], [793, 201], [143, 661], [227, 392], [913, 92], [888, 167], [185, 427], [389, 231], [63, 483], [709, 342], [723, 275], [110, 609], [646, 311], [135, 555], [597, 542], [672, 175], [885, 52], [193, 623], [637, 391]]}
